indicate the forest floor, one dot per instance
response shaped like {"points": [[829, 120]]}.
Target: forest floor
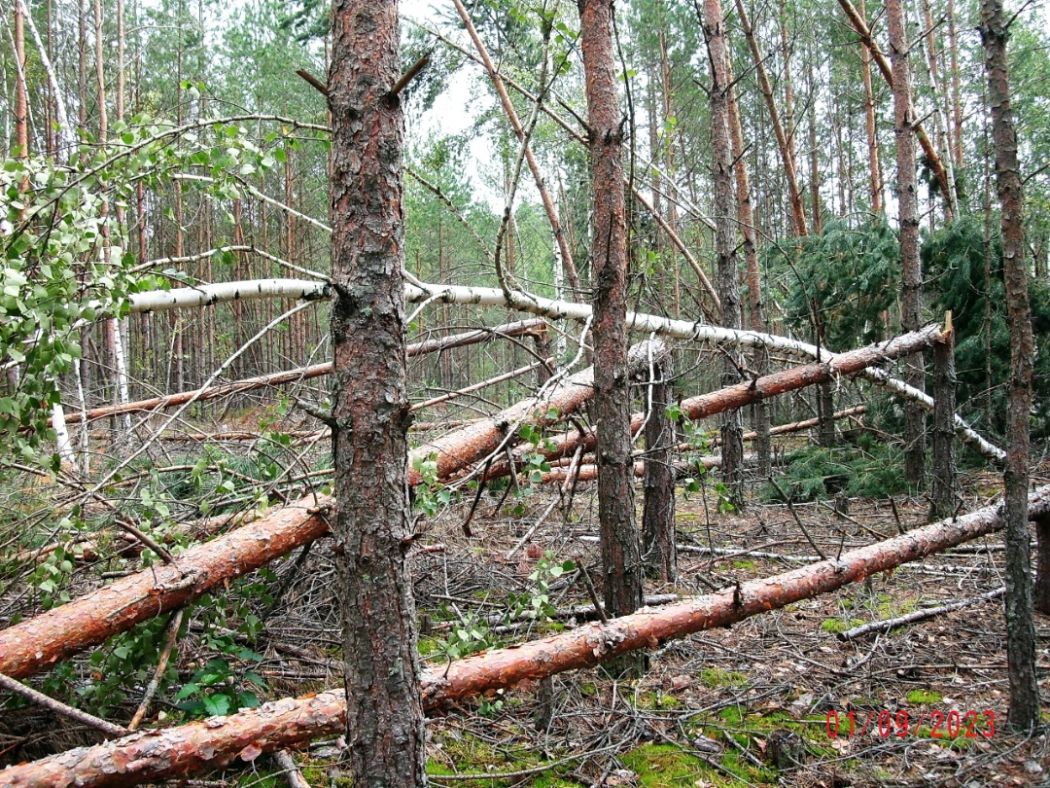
{"points": [[776, 699], [760, 703]]}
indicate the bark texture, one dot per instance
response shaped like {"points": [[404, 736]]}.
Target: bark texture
{"points": [[748, 231], [658, 511], [725, 238], [1020, 627], [944, 484], [38, 643], [908, 213], [621, 555], [211, 744], [1042, 579], [386, 742]]}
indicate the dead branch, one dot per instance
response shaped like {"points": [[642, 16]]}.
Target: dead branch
{"points": [[211, 744]]}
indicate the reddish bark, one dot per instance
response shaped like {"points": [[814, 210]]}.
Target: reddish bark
{"points": [[385, 737], [211, 744], [519, 328], [456, 450], [40, 642], [620, 548], [1020, 628], [704, 405]]}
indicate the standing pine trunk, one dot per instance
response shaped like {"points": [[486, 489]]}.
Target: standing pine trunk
{"points": [[386, 742], [1020, 628], [746, 218], [621, 553], [908, 213], [869, 125], [725, 238], [784, 145]]}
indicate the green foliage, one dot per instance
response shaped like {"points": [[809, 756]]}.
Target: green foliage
{"points": [[954, 257], [841, 281], [64, 262], [869, 470]]}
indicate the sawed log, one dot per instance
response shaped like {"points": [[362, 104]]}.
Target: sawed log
{"points": [[215, 743]]}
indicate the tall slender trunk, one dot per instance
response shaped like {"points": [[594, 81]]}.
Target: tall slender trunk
{"points": [[621, 558], [1020, 627], [869, 125], [746, 219], [667, 90], [82, 103], [911, 264], [944, 487], [21, 129], [933, 158], [725, 237], [658, 514], [814, 150], [787, 158], [957, 119], [940, 104], [386, 741]]}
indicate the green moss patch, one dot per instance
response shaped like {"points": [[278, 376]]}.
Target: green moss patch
{"points": [[836, 625], [720, 677], [922, 697], [462, 753]]}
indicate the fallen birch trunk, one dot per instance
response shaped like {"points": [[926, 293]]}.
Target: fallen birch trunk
{"points": [[211, 744], [519, 328], [588, 472], [549, 308]]}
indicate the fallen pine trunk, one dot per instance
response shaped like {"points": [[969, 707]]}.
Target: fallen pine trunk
{"points": [[198, 747], [37, 643], [741, 394], [456, 450], [40, 642], [519, 328]]}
